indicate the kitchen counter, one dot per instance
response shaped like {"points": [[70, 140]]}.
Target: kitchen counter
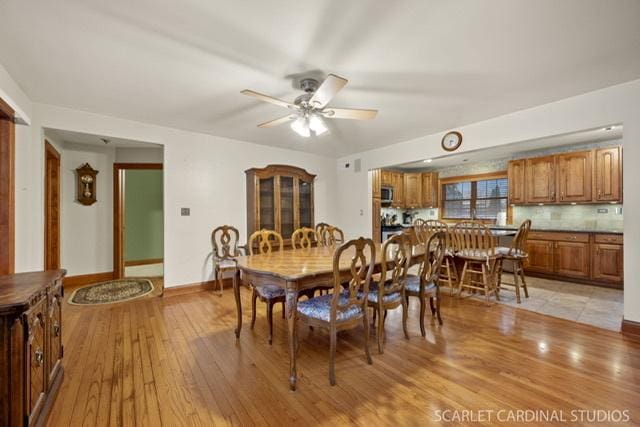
{"points": [[534, 228]]}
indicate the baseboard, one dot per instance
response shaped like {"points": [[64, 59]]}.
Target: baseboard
{"points": [[85, 279], [631, 328], [190, 288], [133, 263], [602, 284]]}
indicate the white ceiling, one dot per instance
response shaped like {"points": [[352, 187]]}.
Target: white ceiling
{"points": [[427, 65], [86, 138], [508, 151]]}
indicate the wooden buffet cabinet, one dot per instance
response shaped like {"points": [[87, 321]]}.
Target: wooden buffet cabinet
{"points": [[280, 198], [574, 177], [30, 346], [584, 257]]}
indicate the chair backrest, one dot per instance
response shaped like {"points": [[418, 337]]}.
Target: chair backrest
{"points": [[432, 261], [396, 255], [331, 236], [518, 244], [303, 238], [320, 227], [418, 222], [263, 241], [358, 276], [436, 226], [473, 237], [225, 241]]}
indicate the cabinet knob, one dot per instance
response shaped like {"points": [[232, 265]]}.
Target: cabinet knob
{"points": [[39, 356], [56, 329]]}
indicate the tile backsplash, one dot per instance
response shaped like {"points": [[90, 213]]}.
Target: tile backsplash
{"points": [[603, 217], [431, 213]]}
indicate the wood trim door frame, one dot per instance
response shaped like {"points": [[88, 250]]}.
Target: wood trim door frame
{"points": [[51, 207], [7, 188], [118, 212]]}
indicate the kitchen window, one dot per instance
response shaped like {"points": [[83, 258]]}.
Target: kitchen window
{"points": [[470, 198]]}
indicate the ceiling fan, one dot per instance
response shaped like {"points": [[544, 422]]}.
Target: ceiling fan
{"points": [[308, 111]]}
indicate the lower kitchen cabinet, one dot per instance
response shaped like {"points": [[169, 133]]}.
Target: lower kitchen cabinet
{"points": [[607, 262], [572, 259], [540, 256]]}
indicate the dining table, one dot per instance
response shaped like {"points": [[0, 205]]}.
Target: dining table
{"points": [[297, 270]]}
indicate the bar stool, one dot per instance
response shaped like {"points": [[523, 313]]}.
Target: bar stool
{"points": [[517, 255]]}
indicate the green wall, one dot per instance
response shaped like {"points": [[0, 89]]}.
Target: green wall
{"points": [[143, 233]]}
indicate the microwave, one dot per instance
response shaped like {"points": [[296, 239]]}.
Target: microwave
{"points": [[386, 194]]}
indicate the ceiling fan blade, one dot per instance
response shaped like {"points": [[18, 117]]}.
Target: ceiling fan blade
{"points": [[349, 113], [267, 98], [277, 122], [327, 90]]}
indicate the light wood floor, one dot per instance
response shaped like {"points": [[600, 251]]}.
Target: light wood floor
{"points": [[175, 361]]}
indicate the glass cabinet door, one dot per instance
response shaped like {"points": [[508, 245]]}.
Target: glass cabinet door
{"points": [[306, 205], [267, 204], [287, 223]]}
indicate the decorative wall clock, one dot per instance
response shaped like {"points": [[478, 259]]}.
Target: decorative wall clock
{"points": [[452, 141], [86, 188]]}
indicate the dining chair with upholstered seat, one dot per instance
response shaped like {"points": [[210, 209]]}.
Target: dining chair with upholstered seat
{"points": [[320, 228], [304, 238], [476, 246], [344, 308], [225, 243], [517, 255], [426, 285], [265, 242], [389, 294]]}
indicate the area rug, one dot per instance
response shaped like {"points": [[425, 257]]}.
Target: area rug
{"points": [[111, 291]]}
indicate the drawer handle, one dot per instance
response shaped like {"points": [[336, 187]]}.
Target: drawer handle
{"points": [[56, 329], [39, 355]]}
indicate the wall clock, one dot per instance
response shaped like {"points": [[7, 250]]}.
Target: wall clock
{"points": [[452, 141], [86, 188]]}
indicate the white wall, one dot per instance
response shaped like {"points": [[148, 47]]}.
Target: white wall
{"points": [[139, 155], [616, 104], [202, 172]]}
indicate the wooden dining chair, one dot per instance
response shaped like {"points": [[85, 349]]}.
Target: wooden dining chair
{"points": [[225, 243], [344, 308], [265, 242], [517, 255], [331, 236], [304, 238], [426, 285], [448, 272], [389, 294], [319, 230], [476, 246]]}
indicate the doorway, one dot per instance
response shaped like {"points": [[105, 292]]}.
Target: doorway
{"points": [[51, 207], [138, 220]]}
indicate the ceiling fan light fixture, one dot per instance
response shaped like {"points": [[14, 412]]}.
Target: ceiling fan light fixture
{"points": [[317, 125], [301, 127]]}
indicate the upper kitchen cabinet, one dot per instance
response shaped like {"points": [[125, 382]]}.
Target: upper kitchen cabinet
{"points": [[386, 178], [412, 190], [397, 182], [376, 183], [540, 185], [574, 176], [517, 177], [429, 189], [608, 173]]}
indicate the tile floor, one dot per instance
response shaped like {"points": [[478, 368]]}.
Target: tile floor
{"points": [[593, 305], [146, 270]]}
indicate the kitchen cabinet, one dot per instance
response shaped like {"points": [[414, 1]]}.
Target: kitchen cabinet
{"points": [[386, 177], [584, 257], [397, 179], [516, 176], [540, 256], [574, 182], [376, 183], [607, 256], [572, 259], [412, 190], [540, 185], [608, 174], [376, 223], [279, 198], [429, 186]]}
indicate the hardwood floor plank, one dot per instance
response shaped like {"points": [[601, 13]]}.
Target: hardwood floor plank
{"points": [[176, 361]]}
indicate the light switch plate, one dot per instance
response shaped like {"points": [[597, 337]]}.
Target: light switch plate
{"points": [[185, 211], [603, 210]]}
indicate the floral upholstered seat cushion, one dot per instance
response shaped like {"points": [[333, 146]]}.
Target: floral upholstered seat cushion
{"points": [[320, 308], [515, 253], [412, 284], [373, 294], [270, 291], [227, 263]]}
